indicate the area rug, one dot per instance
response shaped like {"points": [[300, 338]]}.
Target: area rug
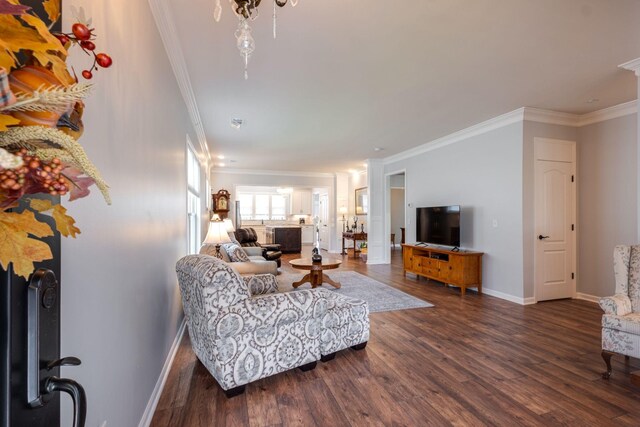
{"points": [[379, 296]]}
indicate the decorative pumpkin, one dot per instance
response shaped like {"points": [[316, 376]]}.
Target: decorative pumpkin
{"points": [[27, 80]]}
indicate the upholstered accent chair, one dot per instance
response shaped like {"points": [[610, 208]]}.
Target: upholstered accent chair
{"points": [[242, 330], [621, 319]]}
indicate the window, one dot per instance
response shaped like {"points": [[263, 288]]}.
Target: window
{"points": [[193, 200], [263, 206]]}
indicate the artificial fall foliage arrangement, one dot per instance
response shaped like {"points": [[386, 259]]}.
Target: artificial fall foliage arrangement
{"points": [[41, 106]]}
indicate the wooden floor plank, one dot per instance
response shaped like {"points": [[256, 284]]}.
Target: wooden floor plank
{"points": [[472, 360]]}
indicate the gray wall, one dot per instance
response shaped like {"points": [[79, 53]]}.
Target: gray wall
{"points": [[121, 305], [534, 130], [484, 175], [607, 199]]}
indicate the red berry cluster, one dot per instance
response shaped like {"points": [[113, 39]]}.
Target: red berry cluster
{"points": [[83, 36], [34, 176]]}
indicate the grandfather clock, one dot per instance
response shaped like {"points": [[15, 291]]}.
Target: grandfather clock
{"points": [[221, 201]]}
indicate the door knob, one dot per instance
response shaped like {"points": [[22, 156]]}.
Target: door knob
{"points": [[541, 237]]}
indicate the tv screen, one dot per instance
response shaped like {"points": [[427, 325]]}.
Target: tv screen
{"points": [[438, 225]]}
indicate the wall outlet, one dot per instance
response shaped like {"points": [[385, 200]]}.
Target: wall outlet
{"points": [[494, 223]]}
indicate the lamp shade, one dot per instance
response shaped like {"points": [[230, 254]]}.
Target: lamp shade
{"points": [[343, 210], [228, 225], [217, 233]]}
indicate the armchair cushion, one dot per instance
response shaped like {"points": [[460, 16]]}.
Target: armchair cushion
{"points": [[235, 252], [619, 304], [261, 284]]}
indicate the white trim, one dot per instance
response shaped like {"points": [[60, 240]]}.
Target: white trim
{"points": [[522, 114], [515, 116], [587, 297], [509, 297], [632, 66], [273, 172], [614, 112], [157, 390], [167, 30], [550, 117]]}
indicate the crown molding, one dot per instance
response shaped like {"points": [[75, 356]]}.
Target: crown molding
{"points": [[167, 30], [614, 112], [522, 114], [550, 117], [632, 66], [272, 173], [512, 117]]}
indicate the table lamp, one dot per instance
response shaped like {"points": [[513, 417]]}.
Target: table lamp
{"points": [[217, 235], [343, 210], [228, 224]]}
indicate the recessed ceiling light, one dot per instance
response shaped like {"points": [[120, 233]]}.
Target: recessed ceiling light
{"points": [[236, 123], [221, 165], [592, 100], [378, 149], [221, 157]]}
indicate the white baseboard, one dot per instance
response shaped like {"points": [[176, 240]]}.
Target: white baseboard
{"points": [[157, 390], [509, 297], [587, 297]]}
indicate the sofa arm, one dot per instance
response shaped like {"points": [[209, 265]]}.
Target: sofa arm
{"points": [[619, 304], [253, 250], [261, 284], [267, 312], [255, 267]]}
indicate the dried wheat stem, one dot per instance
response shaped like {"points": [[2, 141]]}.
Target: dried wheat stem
{"points": [[48, 141]]}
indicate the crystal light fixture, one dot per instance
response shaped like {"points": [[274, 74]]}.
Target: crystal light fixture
{"points": [[247, 10]]}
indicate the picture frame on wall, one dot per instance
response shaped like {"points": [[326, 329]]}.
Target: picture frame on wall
{"points": [[362, 201]]}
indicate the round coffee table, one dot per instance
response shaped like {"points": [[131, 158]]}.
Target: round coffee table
{"points": [[316, 276]]}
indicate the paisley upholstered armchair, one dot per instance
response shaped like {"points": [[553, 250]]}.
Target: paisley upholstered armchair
{"points": [[242, 330], [621, 319]]}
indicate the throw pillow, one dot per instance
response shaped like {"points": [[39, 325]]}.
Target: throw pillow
{"points": [[236, 253]]}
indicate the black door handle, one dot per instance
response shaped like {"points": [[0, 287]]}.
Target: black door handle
{"points": [[78, 396], [541, 237]]}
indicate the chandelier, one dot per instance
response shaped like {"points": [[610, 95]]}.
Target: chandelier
{"points": [[247, 10]]}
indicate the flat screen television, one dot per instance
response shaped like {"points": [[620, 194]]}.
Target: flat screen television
{"points": [[439, 225]]}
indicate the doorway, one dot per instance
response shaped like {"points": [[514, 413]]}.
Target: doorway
{"points": [[396, 197], [555, 219]]}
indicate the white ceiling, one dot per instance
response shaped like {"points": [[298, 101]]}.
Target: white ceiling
{"points": [[345, 76]]}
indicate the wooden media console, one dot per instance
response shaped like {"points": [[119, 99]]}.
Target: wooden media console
{"points": [[458, 268]]}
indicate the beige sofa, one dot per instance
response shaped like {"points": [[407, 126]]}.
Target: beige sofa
{"points": [[256, 264]]}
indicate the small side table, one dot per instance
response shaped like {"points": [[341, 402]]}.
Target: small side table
{"points": [[348, 235], [316, 276]]}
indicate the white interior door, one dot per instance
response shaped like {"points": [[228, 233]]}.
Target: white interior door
{"points": [[555, 213]]}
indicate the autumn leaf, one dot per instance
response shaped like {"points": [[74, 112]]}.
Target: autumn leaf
{"points": [[16, 247], [7, 8], [79, 184], [6, 121], [64, 223], [15, 37], [52, 7]]}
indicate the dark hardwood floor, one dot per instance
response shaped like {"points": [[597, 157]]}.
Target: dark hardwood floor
{"points": [[473, 360]]}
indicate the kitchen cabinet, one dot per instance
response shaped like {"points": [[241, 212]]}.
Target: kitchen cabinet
{"points": [[301, 202], [307, 234], [288, 237]]}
